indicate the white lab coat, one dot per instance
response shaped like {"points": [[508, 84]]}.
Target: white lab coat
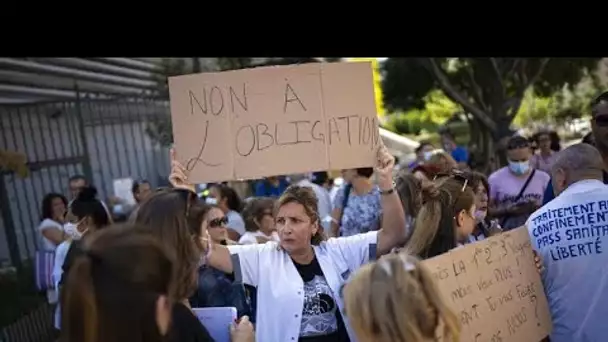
{"points": [[280, 289]]}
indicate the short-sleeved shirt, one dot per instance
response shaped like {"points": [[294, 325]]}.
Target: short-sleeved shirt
{"points": [[505, 186], [235, 222], [251, 237], [571, 235], [541, 163], [321, 318], [263, 188], [46, 244], [550, 194], [281, 291], [362, 212], [460, 154]]}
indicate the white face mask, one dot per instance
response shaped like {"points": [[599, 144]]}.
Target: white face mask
{"points": [[211, 200], [71, 229]]}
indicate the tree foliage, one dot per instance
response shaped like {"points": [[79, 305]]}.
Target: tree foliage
{"points": [[491, 89], [436, 111], [571, 102], [13, 162]]}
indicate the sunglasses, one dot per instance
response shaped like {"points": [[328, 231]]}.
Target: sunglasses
{"points": [[601, 120], [218, 222], [188, 196], [455, 174]]}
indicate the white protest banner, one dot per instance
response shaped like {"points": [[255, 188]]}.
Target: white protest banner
{"points": [[259, 122]]}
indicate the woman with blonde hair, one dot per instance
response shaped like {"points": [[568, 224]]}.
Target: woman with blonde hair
{"points": [[396, 300], [298, 278], [443, 161], [446, 218]]}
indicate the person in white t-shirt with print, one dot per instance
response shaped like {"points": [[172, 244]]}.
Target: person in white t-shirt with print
{"points": [[259, 221], [298, 279]]}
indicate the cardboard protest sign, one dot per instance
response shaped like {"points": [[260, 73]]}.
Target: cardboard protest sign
{"points": [[252, 123], [495, 289]]}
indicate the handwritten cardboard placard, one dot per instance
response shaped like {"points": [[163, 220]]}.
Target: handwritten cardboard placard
{"points": [[495, 289], [259, 122]]}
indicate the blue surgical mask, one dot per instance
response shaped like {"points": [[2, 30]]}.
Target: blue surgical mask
{"points": [[211, 200], [519, 168]]}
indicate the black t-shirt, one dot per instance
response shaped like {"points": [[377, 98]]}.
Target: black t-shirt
{"points": [[321, 317], [185, 327]]}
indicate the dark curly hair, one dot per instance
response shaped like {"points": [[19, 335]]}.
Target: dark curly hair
{"points": [[47, 205]]}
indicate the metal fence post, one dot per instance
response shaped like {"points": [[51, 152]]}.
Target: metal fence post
{"points": [[9, 226], [86, 162]]}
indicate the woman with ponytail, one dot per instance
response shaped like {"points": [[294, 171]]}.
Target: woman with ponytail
{"points": [[118, 289], [445, 220], [396, 300]]}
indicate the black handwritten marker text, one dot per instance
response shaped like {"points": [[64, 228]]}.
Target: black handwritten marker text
{"points": [[213, 100], [291, 96], [192, 162]]}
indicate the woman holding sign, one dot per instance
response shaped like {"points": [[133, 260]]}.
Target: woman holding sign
{"points": [[298, 279]]}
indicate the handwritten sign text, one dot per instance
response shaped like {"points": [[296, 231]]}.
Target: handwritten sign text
{"points": [[495, 289], [259, 122]]}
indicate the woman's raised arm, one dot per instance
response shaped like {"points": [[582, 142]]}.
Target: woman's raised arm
{"points": [[215, 255], [392, 232]]}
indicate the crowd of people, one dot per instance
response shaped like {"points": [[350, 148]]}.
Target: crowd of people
{"points": [[304, 260]]}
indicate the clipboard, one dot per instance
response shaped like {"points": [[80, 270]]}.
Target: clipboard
{"points": [[217, 321]]}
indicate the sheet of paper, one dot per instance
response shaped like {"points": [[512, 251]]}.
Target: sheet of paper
{"points": [[122, 189], [217, 321]]}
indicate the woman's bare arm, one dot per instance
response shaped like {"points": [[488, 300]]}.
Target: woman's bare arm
{"points": [[53, 234], [392, 232]]}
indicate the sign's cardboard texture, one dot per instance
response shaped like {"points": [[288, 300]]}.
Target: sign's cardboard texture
{"points": [[495, 289], [260, 122]]}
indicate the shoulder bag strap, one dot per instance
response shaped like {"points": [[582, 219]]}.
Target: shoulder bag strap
{"points": [[523, 188]]}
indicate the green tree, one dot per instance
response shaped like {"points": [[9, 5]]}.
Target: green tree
{"points": [[490, 89], [437, 110]]}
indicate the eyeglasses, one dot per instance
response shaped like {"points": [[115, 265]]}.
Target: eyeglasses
{"points": [[188, 196], [601, 120], [455, 174], [218, 222]]}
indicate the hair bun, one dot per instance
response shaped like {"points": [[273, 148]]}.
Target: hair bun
{"points": [[88, 193], [430, 192]]}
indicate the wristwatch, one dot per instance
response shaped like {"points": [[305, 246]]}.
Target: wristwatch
{"points": [[389, 191]]}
